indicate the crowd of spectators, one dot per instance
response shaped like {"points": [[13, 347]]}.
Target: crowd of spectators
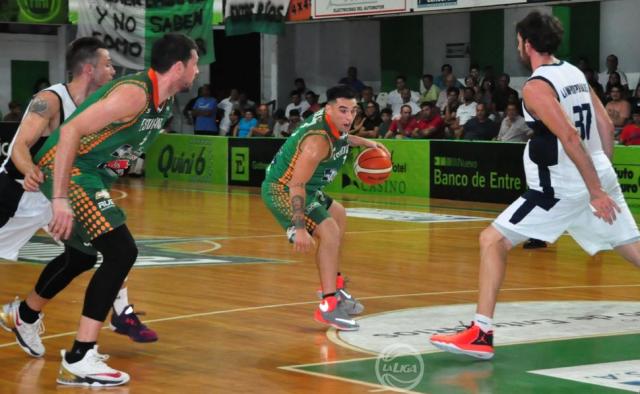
{"points": [[483, 107]]}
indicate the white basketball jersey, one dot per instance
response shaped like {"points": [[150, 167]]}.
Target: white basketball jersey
{"points": [[67, 107], [547, 166]]}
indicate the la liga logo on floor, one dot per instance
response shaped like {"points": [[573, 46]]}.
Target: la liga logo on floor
{"points": [[514, 322]]}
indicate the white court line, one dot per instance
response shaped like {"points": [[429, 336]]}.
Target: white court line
{"points": [[261, 307], [122, 196]]}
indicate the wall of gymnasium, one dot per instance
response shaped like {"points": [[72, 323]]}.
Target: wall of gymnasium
{"points": [[28, 47], [616, 35]]}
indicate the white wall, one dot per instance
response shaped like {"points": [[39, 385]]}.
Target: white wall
{"points": [[28, 47], [619, 32], [438, 30], [321, 53], [512, 16]]}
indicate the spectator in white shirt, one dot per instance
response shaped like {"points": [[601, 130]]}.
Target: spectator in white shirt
{"points": [[394, 98], [612, 66], [405, 96], [296, 103], [513, 127], [227, 105]]}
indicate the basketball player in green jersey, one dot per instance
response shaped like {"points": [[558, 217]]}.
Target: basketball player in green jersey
{"points": [[292, 190], [118, 121]]}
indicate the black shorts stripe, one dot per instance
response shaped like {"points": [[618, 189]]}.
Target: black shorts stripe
{"points": [[533, 198]]}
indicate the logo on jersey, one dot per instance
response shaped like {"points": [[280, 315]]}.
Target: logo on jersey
{"points": [[151, 124], [104, 200], [342, 153]]}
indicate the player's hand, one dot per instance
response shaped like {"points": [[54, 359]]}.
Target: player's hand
{"points": [[379, 145], [604, 207], [303, 242], [33, 179], [62, 222]]}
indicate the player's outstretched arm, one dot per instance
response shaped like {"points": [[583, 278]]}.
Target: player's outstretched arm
{"points": [[123, 104], [542, 103], [313, 150], [355, 140], [44, 108], [604, 124]]}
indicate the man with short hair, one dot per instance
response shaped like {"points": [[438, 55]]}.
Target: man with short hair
{"points": [[264, 128], [480, 127], [395, 100], [443, 97], [612, 66], [430, 123], [293, 191], [513, 127], [204, 113], [572, 184], [352, 80], [24, 209], [404, 125], [121, 118], [227, 105], [15, 112], [428, 89], [405, 95], [503, 93], [296, 103], [619, 109]]}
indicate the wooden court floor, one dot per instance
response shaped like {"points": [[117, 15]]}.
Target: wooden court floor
{"points": [[237, 321]]}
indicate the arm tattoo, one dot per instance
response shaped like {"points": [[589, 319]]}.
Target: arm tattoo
{"points": [[39, 106], [297, 204]]}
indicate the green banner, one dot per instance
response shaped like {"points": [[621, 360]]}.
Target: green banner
{"points": [[249, 16], [34, 11], [188, 158], [410, 176], [626, 161]]}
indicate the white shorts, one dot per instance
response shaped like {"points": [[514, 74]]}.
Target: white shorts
{"points": [[33, 213], [535, 216]]}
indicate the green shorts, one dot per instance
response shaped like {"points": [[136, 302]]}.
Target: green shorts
{"points": [[277, 199], [94, 211]]}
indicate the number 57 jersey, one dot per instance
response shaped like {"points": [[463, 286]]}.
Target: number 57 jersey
{"points": [[547, 166]]}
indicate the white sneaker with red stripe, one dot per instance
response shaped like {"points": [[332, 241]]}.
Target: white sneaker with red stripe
{"points": [[27, 335], [90, 371]]}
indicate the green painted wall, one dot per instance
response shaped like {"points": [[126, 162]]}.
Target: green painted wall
{"points": [[401, 50], [487, 39], [581, 32]]}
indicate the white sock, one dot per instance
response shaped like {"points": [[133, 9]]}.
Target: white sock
{"points": [[122, 301], [485, 323]]}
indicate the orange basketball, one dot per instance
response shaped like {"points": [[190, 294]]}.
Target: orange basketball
{"points": [[373, 166]]}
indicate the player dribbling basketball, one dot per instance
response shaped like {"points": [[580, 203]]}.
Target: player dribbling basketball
{"points": [[292, 190]]}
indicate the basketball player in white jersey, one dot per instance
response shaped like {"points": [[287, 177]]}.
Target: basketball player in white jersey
{"points": [[24, 209], [572, 184]]}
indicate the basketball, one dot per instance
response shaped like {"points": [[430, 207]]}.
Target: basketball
{"points": [[373, 166]]}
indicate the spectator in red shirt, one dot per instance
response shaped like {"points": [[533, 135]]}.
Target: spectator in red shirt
{"points": [[631, 133], [430, 123], [404, 126]]}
